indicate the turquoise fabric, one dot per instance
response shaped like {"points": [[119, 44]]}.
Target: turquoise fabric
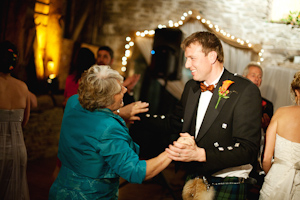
{"points": [[95, 149]]}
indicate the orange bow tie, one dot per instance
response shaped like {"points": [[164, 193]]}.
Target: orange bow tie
{"points": [[205, 88]]}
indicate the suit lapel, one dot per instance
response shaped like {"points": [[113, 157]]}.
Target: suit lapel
{"points": [[212, 113], [191, 107]]}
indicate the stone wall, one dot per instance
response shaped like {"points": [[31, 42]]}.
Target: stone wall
{"points": [[246, 19]]}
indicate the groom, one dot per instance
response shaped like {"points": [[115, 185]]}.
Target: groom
{"points": [[222, 112]]}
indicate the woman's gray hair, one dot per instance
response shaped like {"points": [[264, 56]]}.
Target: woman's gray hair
{"points": [[98, 86]]}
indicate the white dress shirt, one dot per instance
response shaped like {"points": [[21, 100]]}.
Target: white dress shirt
{"points": [[204, 100]]}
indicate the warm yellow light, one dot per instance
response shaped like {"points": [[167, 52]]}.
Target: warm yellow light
{"points": [[50, 66], [52, 76], [152, 32], [123, 69]]}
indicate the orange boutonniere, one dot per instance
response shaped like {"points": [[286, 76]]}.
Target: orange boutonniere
{"points": [[263, 103], [223, 91]]}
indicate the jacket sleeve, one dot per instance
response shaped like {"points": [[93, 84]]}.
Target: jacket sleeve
{"points": [[121, 155]]}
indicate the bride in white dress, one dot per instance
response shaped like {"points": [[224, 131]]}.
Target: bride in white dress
{"points": [[283, 144]]}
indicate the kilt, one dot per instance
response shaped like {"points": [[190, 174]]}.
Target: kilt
{"points": [[229, 188], [229, 191]]}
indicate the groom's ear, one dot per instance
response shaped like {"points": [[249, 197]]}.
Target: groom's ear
{"points": [[212, 56]]}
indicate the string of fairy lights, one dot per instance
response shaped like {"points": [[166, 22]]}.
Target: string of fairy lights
{"points": [[245, 44]]}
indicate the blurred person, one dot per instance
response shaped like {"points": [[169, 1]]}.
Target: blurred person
{"points": [[14, 115], [84, 59], [95, 147], [105, 56], [254, 73], [282, 152], [33, 100]]}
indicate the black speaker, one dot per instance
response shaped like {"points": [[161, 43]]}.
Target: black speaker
{"points": [[167, 55]]}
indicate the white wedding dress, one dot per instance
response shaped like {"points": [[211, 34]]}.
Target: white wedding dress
{"points": [[283, 180]]}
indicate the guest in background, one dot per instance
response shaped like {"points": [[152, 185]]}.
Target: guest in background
{"points": [[33, 100], [95, 147], [83, 60], [14, 114], [105, 56], [282, 179], [254, 73]]}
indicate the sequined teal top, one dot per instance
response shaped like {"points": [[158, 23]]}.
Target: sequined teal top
{"points": [[95, 149]]}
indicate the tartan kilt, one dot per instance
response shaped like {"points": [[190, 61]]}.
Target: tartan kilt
{"points": [[229, 191]]}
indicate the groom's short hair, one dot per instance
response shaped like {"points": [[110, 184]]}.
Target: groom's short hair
{"points": [[208, 41]]}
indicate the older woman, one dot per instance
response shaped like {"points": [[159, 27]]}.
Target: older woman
{"points": [[283, 143], [95, 147]]}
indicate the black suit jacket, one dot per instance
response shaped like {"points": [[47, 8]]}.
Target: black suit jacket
{"points": [[229, 134]]}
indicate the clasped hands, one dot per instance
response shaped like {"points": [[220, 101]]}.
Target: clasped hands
{"points": [[186, 150]]}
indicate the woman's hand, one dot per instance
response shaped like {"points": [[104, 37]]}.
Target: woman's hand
{"points": [[129, 112]]}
